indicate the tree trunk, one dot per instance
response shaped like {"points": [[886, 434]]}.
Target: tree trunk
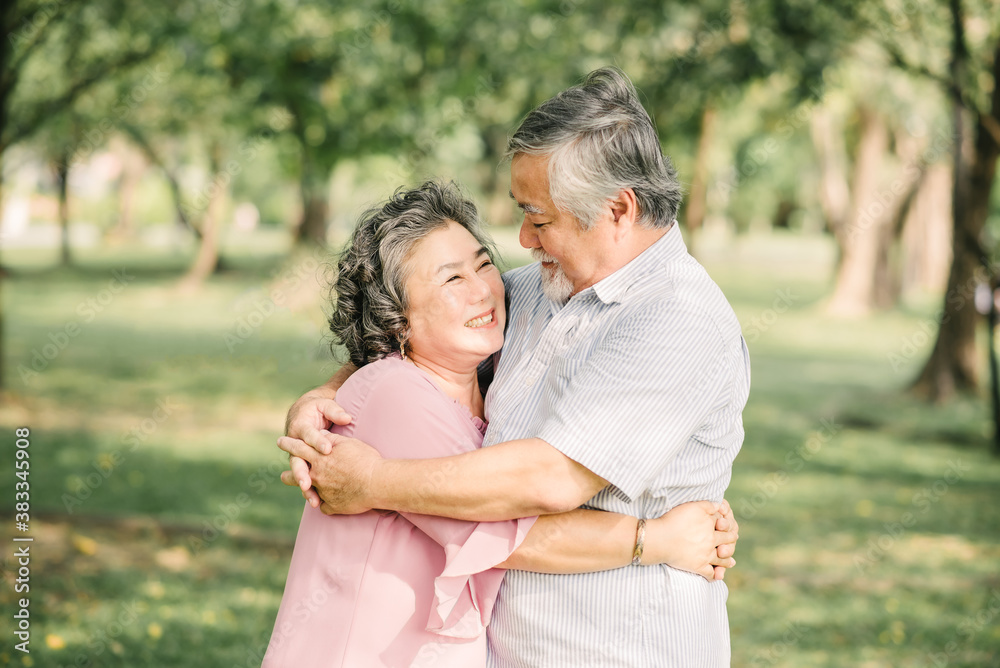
{"points": [[62, 177], [315, 187], [834, 191], [853, 293], [133, 167], [207, 260], [697, 200], [954, 365], [926, 241]]}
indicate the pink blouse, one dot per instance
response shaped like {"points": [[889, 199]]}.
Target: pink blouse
{"points": [[385, 588]]}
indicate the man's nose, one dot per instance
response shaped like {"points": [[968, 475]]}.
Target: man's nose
{"points": [[527, 236]]}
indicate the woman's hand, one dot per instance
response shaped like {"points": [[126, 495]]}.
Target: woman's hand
{"points": [[698, 537]]}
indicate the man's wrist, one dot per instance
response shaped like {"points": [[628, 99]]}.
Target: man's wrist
{"points": [[374, 489]]}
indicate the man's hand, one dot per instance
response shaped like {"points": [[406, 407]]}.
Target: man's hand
{"points": [[698, 537], [342, 479], [309, 420]]}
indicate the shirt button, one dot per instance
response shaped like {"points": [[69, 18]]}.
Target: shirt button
{"points": [[529, 381]]}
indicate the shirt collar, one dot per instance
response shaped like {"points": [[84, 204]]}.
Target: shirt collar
{"points": [[667, 248]]}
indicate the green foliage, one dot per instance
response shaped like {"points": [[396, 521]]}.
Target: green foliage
{"points": [[185, 543]]}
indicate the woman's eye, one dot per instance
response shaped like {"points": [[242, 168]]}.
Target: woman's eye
{"points": [[486, 264], [453, 278]]}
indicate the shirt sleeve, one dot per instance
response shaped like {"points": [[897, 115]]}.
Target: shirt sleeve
{"points": [[406, 416], [627, 410]]}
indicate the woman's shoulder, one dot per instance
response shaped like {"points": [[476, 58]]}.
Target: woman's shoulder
{"points": [[388, 378]]}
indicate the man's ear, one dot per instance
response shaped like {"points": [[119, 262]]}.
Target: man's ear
{"points": [[625, 210]]}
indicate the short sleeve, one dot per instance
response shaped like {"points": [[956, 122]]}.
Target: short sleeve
{"points": [[627, 410], [406, 416]]}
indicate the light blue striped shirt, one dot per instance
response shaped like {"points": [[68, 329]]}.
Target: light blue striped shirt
{"points": [[641, 378]]}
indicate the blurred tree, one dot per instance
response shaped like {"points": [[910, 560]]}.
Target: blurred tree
{"points": [[697, 58], [34, 87], [967, 38]]}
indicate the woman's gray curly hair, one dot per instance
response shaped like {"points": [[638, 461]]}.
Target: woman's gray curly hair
{"points": [[370, 302]]}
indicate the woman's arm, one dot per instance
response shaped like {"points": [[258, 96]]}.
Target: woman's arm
{"points": [[579, 541]]}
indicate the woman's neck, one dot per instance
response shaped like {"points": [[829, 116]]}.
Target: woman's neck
{"points": [[462, 385]]}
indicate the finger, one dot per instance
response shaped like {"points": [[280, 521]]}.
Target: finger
{"points": [[725, 562], [312, 496], [300, 469], [725, 508], [727, 550], [298, 448], [720, 573], [288, 478], [319, 439], [332, 411], [726, 537]]}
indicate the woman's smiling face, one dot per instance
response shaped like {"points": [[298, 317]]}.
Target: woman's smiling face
{"points": [[455, 300]]}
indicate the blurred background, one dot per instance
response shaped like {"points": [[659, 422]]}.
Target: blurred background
{"points": [[176, 177]]}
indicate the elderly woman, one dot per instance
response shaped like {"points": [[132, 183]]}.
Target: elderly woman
{"points": [[420, 304]]}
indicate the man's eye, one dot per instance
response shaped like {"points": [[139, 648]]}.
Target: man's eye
{"points": [[453, 278], [487, 263]]}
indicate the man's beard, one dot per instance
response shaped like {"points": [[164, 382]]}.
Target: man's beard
{"points": [[555, 283]]}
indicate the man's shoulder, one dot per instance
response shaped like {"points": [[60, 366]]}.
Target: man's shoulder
{"points": [[523, 284], [681, 299]]}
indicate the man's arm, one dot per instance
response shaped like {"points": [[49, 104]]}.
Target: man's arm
{"points": [[309, 420], [506, 481]]}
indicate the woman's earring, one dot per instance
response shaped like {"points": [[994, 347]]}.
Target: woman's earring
{"points": [[402, 351]]}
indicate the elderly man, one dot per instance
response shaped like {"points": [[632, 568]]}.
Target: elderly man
{"points": [[620, 386]]}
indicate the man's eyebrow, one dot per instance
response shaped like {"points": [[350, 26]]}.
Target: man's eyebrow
{"points": [[527, 208]]}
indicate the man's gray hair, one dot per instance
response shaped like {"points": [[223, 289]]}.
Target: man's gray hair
{"points": [[370, 301], [599, 140]]}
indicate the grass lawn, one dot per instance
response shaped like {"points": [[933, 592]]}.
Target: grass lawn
{"points": [[870, 528]]}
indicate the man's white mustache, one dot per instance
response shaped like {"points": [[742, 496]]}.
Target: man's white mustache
{"points": [[538, 255]]}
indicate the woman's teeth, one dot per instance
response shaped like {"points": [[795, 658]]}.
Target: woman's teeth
{"points": [[479, 322]]}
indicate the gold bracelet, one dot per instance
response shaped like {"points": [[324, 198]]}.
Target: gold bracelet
{"points": [[640, 539]]}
